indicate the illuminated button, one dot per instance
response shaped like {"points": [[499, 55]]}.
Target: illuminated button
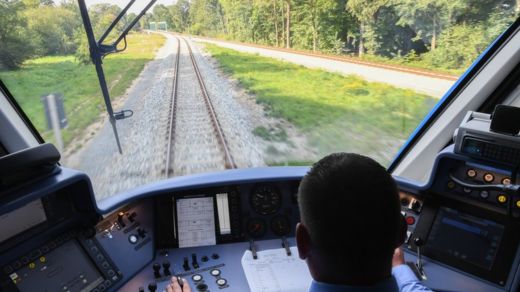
{"points": [[451, 185], [221, 282], [215, 272], [133, 238], [488, 177], [196, 278], [32, 265], [502, 199], [42, 259], [506, 181], [471, 173], [517, 204], [410, 220], [484, 194]]}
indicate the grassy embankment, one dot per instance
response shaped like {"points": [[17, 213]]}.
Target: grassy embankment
{"points": [[336, 112], [78, 83]]}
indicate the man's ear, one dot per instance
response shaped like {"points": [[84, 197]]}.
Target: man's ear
{"points": [[403, 227], [303, 241]]}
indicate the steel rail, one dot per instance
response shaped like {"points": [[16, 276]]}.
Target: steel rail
{"points": [[173, 108], [229, 162]]}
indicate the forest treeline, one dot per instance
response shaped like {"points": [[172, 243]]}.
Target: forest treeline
{"points": [[36, 28], [446, 34], [437, 34]]}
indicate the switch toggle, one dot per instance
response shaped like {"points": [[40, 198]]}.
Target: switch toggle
{"points": [[194, 262], [120, 219], [185, 264]]}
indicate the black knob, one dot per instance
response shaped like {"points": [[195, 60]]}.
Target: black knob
{"points": [[215, 256], [416, 206], [141, 289], [166, 267], [156, 270], [132, 216], [204, 258], [152, 287], [202, 287], [418, 242], [141, 232]]}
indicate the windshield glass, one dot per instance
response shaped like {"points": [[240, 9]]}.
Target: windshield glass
{"points": [[208, 85]]}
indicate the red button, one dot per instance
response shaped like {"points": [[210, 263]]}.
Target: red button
{"points": [[410, 220]]}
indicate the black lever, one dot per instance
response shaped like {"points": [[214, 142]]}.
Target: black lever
{"points": [[417, 267], [156, 270], [185, 264], [253, 249], [152, 287], [166, 268], [194, 261], [285, 245]]}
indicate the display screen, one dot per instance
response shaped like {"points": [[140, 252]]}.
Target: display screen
{"points": [[66, 268], [465, 237], [196, 221], [21, 219]]}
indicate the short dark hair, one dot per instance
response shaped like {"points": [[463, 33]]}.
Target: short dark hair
{"points": [[350, 206]]}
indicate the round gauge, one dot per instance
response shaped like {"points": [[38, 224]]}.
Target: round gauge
{"points": [[256, 227], [265, 200], [280, 225]]}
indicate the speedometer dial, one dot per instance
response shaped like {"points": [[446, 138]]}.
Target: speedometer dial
{"points": [[280, 225], [265, 200]]}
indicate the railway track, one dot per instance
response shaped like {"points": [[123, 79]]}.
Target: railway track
{"points": [[195, 140]]}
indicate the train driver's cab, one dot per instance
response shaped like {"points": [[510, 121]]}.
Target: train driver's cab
{"points": [[234, 230]]}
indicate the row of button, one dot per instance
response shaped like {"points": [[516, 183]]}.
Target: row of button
{"points": [[37, 253], [202, 287], [112, 276]]}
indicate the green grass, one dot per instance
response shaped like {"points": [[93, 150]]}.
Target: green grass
{"points": [[78, 83], [412, 63], [338, 113], [271, 134]]}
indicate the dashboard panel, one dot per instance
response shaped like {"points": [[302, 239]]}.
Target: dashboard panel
{"points": [[227, 214], [201, 227]]}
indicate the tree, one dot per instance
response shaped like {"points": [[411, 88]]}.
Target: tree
{"points": [[16, 40], [237, 15], [54, 28], [206, 17], [365, 11], [288, 23], [180, 12], [162, 13], [318, 23]]}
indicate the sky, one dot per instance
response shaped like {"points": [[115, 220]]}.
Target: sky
{"points": [[136, 8]]}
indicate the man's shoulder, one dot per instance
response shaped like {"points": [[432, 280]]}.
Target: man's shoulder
{"points": [[389, 285]]}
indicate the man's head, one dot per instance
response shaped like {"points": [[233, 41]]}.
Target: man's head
{"points": [[350, 220]]}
